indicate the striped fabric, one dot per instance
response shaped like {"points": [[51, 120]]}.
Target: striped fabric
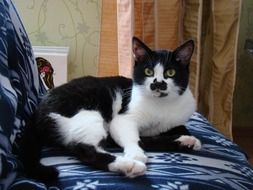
{"points": [[19, 87]]}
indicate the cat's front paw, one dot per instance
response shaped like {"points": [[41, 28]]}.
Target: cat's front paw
{"points": [[189, 141], [131, 168], [136, 154]]}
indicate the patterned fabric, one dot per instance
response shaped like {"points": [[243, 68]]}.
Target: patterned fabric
{"points": [[220, 165], [19, 87]]}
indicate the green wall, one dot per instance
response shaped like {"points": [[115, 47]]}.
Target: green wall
{"points": [[72, 23], [243, 99]]}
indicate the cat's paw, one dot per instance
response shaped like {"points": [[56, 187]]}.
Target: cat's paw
{"points": [[137, 155], [131, 168], [189, 141]]}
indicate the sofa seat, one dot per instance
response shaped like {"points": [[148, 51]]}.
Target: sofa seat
{"points": [[219, 165]]}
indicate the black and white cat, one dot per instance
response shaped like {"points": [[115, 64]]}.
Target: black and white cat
{"points": [[148, 112]]}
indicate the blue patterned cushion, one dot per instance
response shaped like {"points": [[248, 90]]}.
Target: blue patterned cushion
{"points": [[19, 87], [220, 165]]}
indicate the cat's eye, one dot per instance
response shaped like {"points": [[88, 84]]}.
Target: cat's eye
{"points": [[170, 73], [149, 72]]}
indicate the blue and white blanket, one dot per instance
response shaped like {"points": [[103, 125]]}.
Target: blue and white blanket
{"points": [[220, 165]]}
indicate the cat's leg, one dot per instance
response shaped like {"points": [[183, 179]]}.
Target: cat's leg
{"points": [[185, 139], [83, 133], [125, 133], [176, 139], [101, 159]]}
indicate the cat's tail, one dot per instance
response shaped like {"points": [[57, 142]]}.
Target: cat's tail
{"points": [[101, 159], [29, 153]]}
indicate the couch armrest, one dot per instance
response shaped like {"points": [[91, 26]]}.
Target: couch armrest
{"points": [[20, 87]]}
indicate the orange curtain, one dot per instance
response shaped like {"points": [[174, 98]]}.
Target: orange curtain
{"points": [[157, 22], [108, 48], [164, 24], [219, 38]]}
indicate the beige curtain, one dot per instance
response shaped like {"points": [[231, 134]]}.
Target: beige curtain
{"points": [[164, 24]]}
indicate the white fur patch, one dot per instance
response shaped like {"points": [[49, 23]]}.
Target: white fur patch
{"points": [[154, 115], [84, 127], [135, 153], [117, 104], [124, 131], [158, 72], [190, 141], [131, 168]]}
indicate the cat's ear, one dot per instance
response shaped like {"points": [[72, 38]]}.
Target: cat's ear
{"points": [[184, 52], [139, 49]]}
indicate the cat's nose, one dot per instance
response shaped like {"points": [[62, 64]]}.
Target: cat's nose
{"points": [[158, 85]]}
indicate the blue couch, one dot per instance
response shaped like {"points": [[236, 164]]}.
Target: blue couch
{"points": [[220, 165]]}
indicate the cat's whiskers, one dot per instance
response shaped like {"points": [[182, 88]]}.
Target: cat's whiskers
{"points": [[127, 92], [182, 89]]}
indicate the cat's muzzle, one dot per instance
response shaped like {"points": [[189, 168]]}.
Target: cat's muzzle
{"points": [[159, 88]]}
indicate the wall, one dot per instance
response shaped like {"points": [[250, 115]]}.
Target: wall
{"points": [[243, 99], [72, 23]]}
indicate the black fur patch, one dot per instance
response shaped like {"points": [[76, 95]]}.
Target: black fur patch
{"points": [[89, 155], [165, 141]]}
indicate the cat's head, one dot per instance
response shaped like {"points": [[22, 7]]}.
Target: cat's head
{"points": [[161, 73]]}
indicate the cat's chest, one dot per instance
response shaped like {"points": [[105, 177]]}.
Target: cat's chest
{"points": [[155, 117]]}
